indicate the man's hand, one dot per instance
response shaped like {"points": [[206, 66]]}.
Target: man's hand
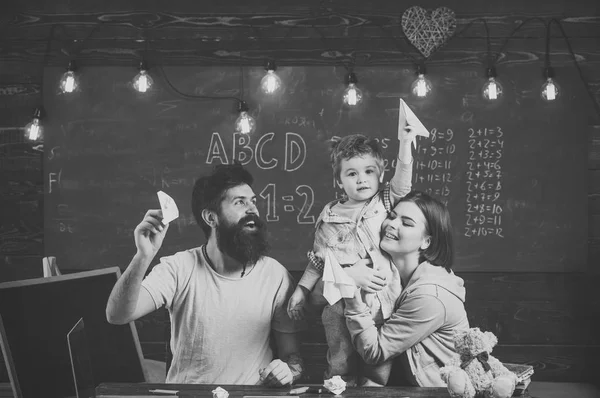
{"points": [[149, 234], [276, 374], [368, 279], [295, 308]]}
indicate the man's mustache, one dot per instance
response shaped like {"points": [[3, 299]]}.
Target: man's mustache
{"points": [[252, 218]]}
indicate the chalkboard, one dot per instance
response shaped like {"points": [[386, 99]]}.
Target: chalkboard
{"points": [[513, 174], [37, 315]]}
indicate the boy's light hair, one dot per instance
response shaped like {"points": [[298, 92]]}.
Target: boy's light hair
{"points": [[351, 146]]}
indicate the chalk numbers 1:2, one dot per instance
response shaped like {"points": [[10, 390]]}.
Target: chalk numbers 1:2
{"points": [[304, 191]]}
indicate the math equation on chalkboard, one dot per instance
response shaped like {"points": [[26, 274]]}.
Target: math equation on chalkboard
{"points": [[437, 172], [484, 182]]}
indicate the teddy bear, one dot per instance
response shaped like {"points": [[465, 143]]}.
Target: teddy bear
{"points": [[474, 371]]}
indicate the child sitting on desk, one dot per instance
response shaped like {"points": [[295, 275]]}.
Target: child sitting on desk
{"points": [[349, 230]]}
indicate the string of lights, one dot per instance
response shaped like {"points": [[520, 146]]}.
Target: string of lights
{"points": [[352, 96]]}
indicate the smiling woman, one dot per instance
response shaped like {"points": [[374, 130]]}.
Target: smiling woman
{"points": [[418, 335]]}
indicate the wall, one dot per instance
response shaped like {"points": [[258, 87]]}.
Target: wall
{"points": [[540, 318]]}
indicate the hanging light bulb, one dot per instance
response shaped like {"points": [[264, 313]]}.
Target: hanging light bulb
{"points": [[421, 87], [270, 83], [69, 81], [142, 82], [245, 123], [352, 94], [492, 89], [34, 130], [550, 89]]}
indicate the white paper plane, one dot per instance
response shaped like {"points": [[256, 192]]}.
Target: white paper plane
{"points": [[168, 207], [406, 117]]}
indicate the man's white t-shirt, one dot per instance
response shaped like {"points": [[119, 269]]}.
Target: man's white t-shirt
{"points": [[220, 327]]}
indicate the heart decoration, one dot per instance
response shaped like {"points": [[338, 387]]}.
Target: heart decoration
{"points": [[428, 30]]}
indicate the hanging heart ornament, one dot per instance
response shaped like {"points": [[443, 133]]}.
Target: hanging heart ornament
{"points": [[428, 30]]}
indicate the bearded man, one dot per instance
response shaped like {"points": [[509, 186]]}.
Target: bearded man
{"points": [[226, 299]]}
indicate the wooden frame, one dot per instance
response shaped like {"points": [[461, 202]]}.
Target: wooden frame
{"points": [[8, 361], [6, 346]]}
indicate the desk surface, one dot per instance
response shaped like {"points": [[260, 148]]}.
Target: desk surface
{"points": [[114, 390]]}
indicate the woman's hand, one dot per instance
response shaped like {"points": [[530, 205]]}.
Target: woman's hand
{"points": [[366, 278]]}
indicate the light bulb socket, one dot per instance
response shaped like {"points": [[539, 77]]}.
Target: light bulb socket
{"points": [[72, 66], [491, 72], [351, 78], [243, 106], [421, 70], [38, 113], [548, 72], [143, 65], [270, 65]]}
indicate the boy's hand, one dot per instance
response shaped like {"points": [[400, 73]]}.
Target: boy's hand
{"points": [[407, 136], [296, 304], [368, 279]]}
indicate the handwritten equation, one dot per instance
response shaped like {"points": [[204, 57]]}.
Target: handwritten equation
{"points": [[484, 183], [435, 170]]}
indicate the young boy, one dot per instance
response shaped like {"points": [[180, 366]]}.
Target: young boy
{"points": [[348, 230]]}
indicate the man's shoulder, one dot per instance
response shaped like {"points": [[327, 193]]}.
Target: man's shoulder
{"points": [[182, 260], [274, 264], [274, 268]]}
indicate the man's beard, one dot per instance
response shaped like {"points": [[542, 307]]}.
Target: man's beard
{"points": [[245, 246]]}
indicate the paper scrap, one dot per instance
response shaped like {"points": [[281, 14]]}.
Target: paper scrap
{"points": [[168, 207], [406, 117], [336, 385], [220, 392]]}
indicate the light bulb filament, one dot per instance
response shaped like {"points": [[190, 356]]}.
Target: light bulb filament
{"points": [[492, 91], [352, 95], [551, 91], [34, 130], [271, 82], [143, 82], [70, 84], [244, 125], [421, 87]]}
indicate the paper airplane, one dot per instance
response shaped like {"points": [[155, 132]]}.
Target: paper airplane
{"points": [[406, 117], [168, 207], [336, 283]]}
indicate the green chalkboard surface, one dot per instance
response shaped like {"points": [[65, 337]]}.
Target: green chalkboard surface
{"points": [[513, 174]]}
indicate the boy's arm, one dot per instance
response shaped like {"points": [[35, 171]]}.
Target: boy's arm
{"points": [[401, 182], [316, 264], [313, 272]]}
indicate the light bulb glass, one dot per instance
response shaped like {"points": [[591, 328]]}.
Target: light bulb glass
{"points": [[245, 123], [68, 82], [492, 89], [34, 130], [550, 90], [352, 95], [142, 82], [421, 87], [270, 83]]}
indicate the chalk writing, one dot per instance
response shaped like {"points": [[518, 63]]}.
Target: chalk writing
{"points": [[304, 191], [484, 183], [435, 168], [242, 151]]}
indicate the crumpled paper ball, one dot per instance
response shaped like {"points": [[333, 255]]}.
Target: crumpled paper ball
{"points": [[220, 393], [336, 385]]}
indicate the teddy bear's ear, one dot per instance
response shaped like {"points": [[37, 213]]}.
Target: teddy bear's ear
{"points": [[491, 338]]}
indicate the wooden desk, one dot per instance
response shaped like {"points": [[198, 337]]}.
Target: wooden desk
{"points": [[115, 390]]}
